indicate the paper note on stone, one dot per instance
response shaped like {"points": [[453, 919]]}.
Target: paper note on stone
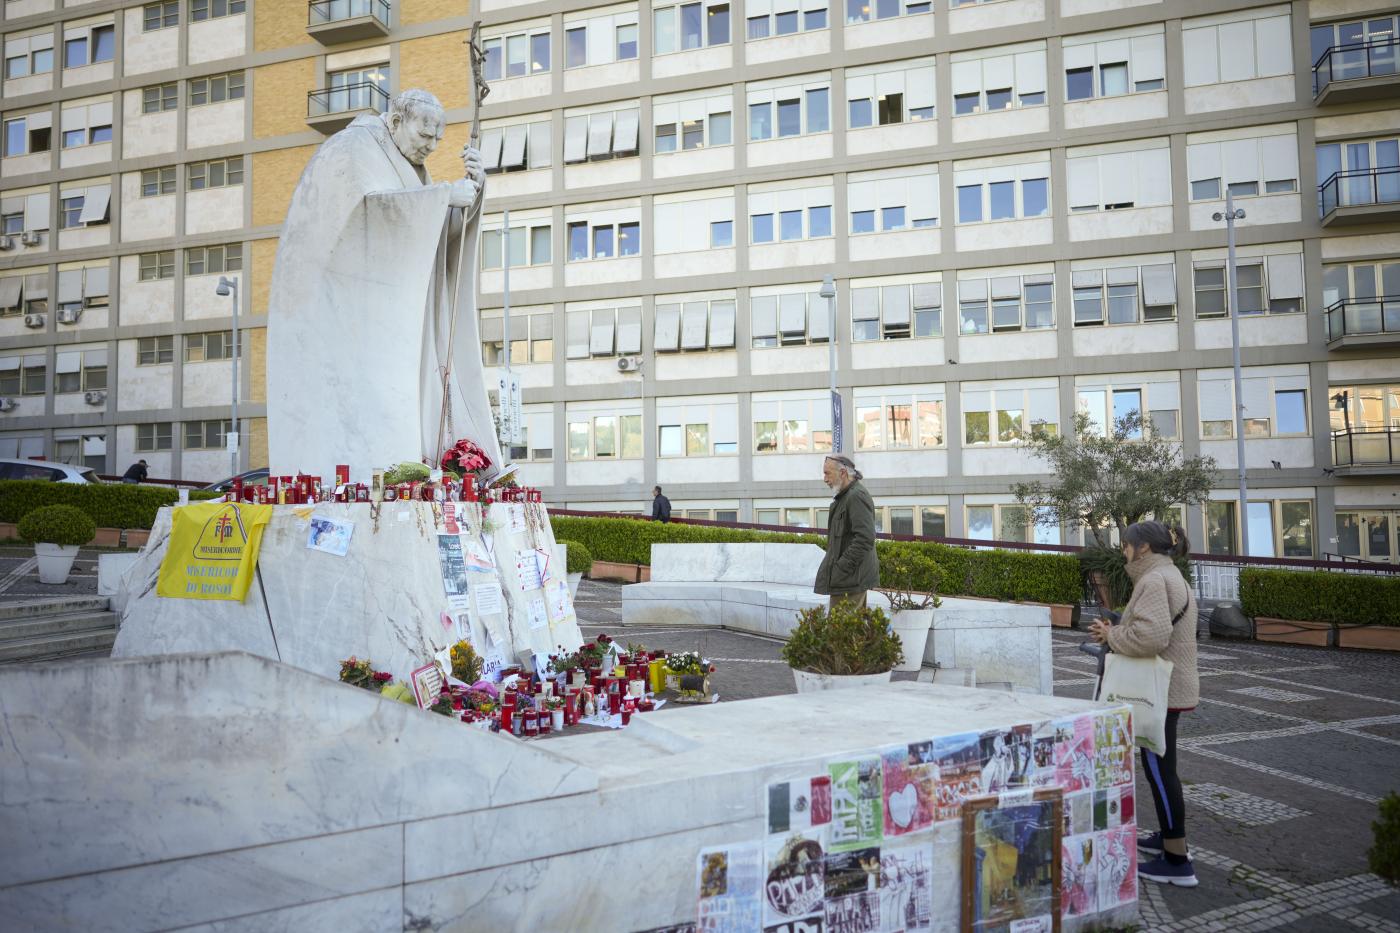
{"points": [[454, 570], [478, 559], [730, 882], [538, 617], [488, 598], [857, 807], [557, 600], [527, 569], [517, 519]]}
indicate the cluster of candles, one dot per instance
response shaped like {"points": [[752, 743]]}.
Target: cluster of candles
{"points": [[304, 489], [539, 706]]}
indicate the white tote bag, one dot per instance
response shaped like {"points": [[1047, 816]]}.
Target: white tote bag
{"points": [[1143, 684]]}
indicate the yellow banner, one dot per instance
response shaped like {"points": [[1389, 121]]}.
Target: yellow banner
{"points": [[213, 550]]}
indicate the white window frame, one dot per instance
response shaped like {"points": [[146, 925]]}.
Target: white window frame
{"points": [[1019, 69], [886, 398], [770, 10], [1237, 46], [814, 413], [1004, 286], [528, 232], [601, 45], [678, 111], [590, 418], [672, 11], [1010, 396], [720, 419], [913, 80], [1119, 177], [1104, 276], [686, 324], [922, 296], [1018, 175], [1141, 51], [770, 94]]}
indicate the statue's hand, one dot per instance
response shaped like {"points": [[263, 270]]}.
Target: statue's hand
{"points": [[463, 194], [472, 164]]}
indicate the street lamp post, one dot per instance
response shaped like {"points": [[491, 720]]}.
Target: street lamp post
{"points": [[229, 287], [1230, 216], [828, 291]]}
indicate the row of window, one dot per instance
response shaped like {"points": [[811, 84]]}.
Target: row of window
{"points": [[198, 435], [83, 370]]}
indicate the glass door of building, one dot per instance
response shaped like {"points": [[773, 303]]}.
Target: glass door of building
{"points": [[1369, 535]]}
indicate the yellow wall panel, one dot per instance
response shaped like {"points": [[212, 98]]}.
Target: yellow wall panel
{"points": [[439, 64], [278, 25], [256, 431], [279, 97], [423, 11], [445, 164], [275, 176], [260, 273], [257, 364]]}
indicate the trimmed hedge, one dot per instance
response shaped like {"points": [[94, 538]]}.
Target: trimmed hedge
{"points": [[993, 574], [110, 505], [1320, 596], [63, 525]]}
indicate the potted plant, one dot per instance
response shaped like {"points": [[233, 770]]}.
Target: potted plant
{"points": [[56, 531], [904, 574], [577, 561], [840, 647]]}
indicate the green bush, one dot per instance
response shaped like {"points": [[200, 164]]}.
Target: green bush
{"points": [[955, 571], [843, 640], [1110, 562], [1384, 854], [110, 505], [577, 558], [57, 524], [1320, 596]]}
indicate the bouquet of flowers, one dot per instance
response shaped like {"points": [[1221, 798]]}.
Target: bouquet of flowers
{"points": [[466, 663], [688, 662], [465, 457], [362, 674]]}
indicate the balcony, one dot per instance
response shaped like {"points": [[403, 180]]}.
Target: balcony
{"points": [[1356, 72], [1366, 451], [1361, 196], [331, 109], [1359, 323], [333, 21]]}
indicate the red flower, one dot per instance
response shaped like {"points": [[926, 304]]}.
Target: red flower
{"points": [[383, 676], [465, 457]]}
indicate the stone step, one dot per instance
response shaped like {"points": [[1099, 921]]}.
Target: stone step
{"points": [[58, 624], [97, 642], [54, 605]]}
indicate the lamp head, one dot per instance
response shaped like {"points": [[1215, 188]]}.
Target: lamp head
{"points": [[226, 287], [828, 289]]}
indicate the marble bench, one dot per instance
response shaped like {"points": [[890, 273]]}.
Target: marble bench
{"points": [[760, 588]]}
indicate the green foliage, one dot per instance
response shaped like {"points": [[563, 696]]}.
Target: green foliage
{"points": [[114, 505], [578, 559], [906, 575], [1110, 562], [1320, 596], [1113, 479], [953, 571], [57, 524], [1384, 854], [407, 472], [843, 640]]}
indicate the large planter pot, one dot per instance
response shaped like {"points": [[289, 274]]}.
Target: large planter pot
{"points": [[573, 584], [607, 570], [106, 537], [644, 573], [1101, 590], [55, 560], [1289, 632], [8, 531], [137, 537], [1373, 637], [911, 625], [1061, 616], [808, 682]]}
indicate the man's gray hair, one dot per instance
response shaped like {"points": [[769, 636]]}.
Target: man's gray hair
{"points": [[415, 102], [846, 464]]}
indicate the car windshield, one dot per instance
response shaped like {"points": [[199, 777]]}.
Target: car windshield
{"points": [[90, 476]]}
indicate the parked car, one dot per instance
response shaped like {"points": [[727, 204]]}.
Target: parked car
{"points": [[46, 469], [256, 477]]}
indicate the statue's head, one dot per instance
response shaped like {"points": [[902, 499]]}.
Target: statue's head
{"points": [[415, 121]]}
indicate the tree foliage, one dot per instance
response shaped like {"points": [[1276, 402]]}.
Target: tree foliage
{"points": [[1113, 478]]}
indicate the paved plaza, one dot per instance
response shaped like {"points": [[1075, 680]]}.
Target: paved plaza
{"points": [[1284, 762]]}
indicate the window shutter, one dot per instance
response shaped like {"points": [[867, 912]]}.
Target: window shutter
{"points": [[1286, 276], [998, 71], [39, 120], [967, 77], [95, 282], [1257, 396], [860, 88], [1086, 278], [70, 362], [629, 330], [895, 301], [721, 324], [36, 211], [70, 285], [918, 87], [600, 134], [95, 204], [694, 321], [10, 289], [1214, 398], [600, 340], [36, 287], [1079, 56], [541, 139], [1159, 284], [1280, 157], [1241, 159], [1148, 58], [793, 314], [668, 327], [626, 134], [1006, 287], [1202, 64], [764, 313], [1153, 169], [1030, 72], [513, 149], [1274, 46], [1083, 175], [1118, 178], [492, 329], [923, 196], [491, 149], [861, 195], [1203, 161], [928, 295], [865, 304], [575, 139]]}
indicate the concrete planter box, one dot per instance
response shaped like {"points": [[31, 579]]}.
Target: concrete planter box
{"points": [[1372, 637], [643, 573], [1060, 616], [1288, 632], [107, 537], [8, 531], [808, 682], [607, 570], [137, 537]]}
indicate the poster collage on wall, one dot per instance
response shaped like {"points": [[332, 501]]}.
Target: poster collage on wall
{"points": [[1004, 831]]}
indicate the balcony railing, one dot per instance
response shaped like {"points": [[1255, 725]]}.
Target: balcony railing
{"points": [[1366, 447], [1364, 317], [1360, 188], [1356, 61], [362, 95], [326, 12]]}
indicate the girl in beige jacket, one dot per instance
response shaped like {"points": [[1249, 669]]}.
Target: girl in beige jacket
{"points": [[1160, 621]]}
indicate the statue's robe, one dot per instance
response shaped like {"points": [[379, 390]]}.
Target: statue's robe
{"points": [[360, 312]]}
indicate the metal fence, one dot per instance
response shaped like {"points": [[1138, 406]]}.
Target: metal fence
{"points": [[1361, 187], [1353, 61], [323, 12], [1363, 316]]}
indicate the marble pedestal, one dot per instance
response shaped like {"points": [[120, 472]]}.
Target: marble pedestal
{"points": [[384, 600], [235, 793]]}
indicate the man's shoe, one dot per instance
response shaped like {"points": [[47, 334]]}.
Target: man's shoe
{"points": [[1164, 872], [1151, 844]]}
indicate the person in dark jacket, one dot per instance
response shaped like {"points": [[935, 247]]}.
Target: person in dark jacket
{"points": [[136, 473], [660, 506], [851, 566]]}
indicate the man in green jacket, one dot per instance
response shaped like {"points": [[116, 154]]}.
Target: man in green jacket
{"points": [[851, 566]]}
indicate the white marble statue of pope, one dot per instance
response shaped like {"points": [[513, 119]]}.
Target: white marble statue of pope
{"points": [[362, 303]]}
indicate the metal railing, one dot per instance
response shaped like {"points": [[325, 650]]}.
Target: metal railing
{"points": [[1366, 447], [1360, 188], [1353, 317], [362, 95], [1354, 61], [325, 12]]}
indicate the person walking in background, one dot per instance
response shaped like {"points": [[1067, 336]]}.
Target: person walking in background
{"points": [[660, 506], [851, 566], [1161, 599], [136, 473]]}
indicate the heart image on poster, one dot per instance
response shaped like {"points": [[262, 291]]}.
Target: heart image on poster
{"points": [[902, 806]]}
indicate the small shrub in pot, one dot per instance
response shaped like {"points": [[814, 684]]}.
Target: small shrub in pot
{"points": [[843, 640]]}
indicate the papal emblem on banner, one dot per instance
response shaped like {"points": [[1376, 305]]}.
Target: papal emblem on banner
{"points": [[213, 551]]}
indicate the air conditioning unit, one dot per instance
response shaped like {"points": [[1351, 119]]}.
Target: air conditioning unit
{"points": [[7, 404], [95, 397], [34, 321], [7, 242], [32, 238], [69, 315], [629, 364]]}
